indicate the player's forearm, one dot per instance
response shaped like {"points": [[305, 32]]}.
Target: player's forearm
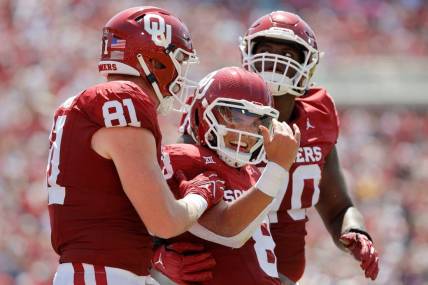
{"points": [[335, 206], [142, 178], [231, 227], [240, 213], [349, 218], [180, 215], [162, 214], [352, 219], [191, 208]]}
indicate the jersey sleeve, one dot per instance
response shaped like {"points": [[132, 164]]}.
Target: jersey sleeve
{"points": [[333, 117], [120, 104], [184, 157], [320, 111]]}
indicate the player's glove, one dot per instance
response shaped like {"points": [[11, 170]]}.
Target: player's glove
{"points": [[207, 184], [183, 262], [359, 244]]}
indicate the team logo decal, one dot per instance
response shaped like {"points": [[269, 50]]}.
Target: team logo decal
{"points": [[155, 26]]}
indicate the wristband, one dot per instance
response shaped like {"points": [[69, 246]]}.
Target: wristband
{"points": [[358, 231], [196, 204], [274, 177]]}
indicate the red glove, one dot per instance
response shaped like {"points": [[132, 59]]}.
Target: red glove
{"points": [[184, 262], [361, 247], [207, 184]]}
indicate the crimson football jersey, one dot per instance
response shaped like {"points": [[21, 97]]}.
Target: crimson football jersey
{"points": [[91, 217], [316, 116], [255, 262]]}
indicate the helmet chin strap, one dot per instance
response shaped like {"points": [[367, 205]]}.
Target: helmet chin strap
{"points": [[165, 103]]}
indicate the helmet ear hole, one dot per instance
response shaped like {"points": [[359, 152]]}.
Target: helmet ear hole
{"points": [[195, 125], [196, 118], [212, 138], [157, 64]]}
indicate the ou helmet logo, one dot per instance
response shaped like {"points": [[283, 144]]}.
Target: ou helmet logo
{"points": [[155, 26]]}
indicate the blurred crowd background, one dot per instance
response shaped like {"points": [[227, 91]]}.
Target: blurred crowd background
{"points": [[374, 66]]}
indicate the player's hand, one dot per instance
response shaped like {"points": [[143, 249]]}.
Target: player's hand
{"points": [[184, 262], [207, 184], [282, 147], [363, 250]]}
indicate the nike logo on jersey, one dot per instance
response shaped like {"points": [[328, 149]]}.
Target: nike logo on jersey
{"points": [[309, 125]]}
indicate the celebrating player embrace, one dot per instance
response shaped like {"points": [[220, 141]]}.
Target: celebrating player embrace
{"points": [[233, 121], [283, 50], [106, 189], [227, 208]]}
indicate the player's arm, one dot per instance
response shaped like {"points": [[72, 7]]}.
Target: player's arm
{"points": [[229, 219], [234, 223], [335, 206], [342, 219], [134, 153]]}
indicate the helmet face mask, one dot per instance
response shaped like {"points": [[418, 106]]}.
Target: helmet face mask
{"points": [[182, 87], [227, 109], [236, 137], [147, 35], [284, 74]]}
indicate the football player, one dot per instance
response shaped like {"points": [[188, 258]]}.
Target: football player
{"points": [[230, 117], [105, 185], [282, 48]]}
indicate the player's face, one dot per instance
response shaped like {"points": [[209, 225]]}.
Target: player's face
{"points": [[241, 120], [280, 48]]}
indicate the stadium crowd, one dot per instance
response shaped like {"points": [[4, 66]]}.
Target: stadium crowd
{"points": [[50, 51]]}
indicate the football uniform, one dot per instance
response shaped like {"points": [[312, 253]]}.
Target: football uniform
{"points": [[316, 116], [92, 219], [253, 263]]}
